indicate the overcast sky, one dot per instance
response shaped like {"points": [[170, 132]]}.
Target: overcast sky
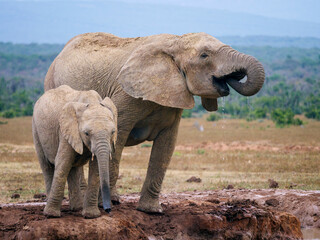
{"points": [[303, 10], [59, 20]]}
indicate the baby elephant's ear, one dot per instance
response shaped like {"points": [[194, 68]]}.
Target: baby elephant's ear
{"points": [[69, 126], [107, 102]]}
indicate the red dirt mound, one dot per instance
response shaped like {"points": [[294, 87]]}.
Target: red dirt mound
{"points": [[187, 216]]}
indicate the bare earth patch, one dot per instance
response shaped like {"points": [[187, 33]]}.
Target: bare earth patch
{"points": [[221, 214], [247, 145]]}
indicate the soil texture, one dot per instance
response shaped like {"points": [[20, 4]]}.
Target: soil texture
{"points": [[221, 214]]}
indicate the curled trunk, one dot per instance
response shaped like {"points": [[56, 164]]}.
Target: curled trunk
{"points": [[237, 67]]}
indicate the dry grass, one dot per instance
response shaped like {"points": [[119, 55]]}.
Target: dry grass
{"points": [[16, 131], [244, 154]]}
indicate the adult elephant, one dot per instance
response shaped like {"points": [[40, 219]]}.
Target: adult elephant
{"points": [[151, 80]]}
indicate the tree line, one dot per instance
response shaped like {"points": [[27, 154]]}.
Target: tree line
{"points": [[292, 83]]}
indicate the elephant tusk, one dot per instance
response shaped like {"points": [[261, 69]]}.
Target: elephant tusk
{"points": [[92, 157]]}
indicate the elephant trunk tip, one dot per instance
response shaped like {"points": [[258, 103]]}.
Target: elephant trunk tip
{"points": [[106, 199]]}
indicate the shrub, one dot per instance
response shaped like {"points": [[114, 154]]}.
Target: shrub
{"points": [[284, 118], [201, 151], [257, 114], [297, 121], [187, 113], [313, 113], [9, 114], [213, 117], [312, 107], [146, 145], [260, 113]]}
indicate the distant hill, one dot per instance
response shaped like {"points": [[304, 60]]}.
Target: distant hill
{"points": [[58, 21], [30, 49], [300, 42], [246, 44]]}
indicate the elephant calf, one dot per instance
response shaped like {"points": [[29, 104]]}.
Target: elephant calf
{"points": [[69, 128]]}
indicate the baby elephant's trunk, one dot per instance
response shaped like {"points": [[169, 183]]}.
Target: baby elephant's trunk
{"points": [[103, 157]]}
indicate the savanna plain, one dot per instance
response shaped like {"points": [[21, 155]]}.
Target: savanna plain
{"points": [[228, 152]]}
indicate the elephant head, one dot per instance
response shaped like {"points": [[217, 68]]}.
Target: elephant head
{"points": [[94, 125], [169, 70]]}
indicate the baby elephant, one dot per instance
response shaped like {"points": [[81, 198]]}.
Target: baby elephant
{"points": [[69, 129]]}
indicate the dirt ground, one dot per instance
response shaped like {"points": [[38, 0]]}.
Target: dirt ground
{"points": [[234, 157], [220, 214]]}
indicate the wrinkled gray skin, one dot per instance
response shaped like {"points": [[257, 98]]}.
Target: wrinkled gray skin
{"points": [[68, 126], [150, 80]]}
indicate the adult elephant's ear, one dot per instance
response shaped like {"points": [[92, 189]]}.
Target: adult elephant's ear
{"points": [[210, 104], [151, 73], [69, 126]]}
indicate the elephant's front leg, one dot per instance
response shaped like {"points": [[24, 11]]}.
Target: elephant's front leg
{"points": [[114, 174], [162, 150], [90, 207], [123, 133], [63, 163]]}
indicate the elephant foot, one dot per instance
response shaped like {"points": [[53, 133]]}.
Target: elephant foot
{"points": [[149, 205], [115, 197], [76, 207], [91, 212], [76, 204], [51, 212]]}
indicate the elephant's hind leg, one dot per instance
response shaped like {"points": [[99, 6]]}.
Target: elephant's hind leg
{"points": [[75, 195], [114, 174], [48, 172], [46, 167]]}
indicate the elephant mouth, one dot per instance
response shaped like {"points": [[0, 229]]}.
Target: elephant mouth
{"points": [[221, 86], [221, 82]]}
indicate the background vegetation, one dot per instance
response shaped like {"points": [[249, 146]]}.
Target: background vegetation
{"points": [[292, 83]]}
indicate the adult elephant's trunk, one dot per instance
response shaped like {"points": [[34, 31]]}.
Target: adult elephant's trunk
{"points": [[239, 65], [103, 157]]}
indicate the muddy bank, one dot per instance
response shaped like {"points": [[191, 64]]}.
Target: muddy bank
{"points": [[190, 215], [303, 204]]}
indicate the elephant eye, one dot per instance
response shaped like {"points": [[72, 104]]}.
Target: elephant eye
{"points": [[204, 55], [86, 133]]}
